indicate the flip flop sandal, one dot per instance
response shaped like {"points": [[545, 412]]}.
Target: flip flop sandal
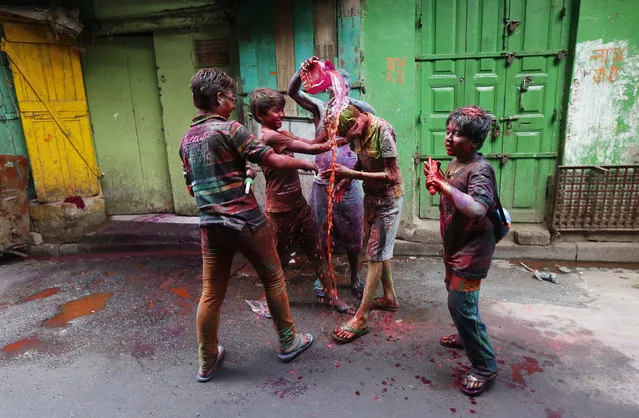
{"points": [[473, 378], [380, 305], [354, 331], [451, 341], [358, 289], [290, 355], [209, 374], [318, 289]]}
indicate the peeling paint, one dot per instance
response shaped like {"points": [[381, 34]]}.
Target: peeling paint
{"points": [[602, 122]]}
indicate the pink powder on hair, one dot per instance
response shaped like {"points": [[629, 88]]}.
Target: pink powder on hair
{"points": [[473, 111]]}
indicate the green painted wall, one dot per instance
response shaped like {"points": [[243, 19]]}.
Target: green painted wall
{"points": [[388, 35], [126, 117], [175, 66], [602, 124]]}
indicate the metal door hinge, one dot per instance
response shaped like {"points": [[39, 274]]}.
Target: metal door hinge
{"points": [[419, 21]]}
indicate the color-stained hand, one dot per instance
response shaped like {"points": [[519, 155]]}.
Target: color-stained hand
{"points": [[434, 179], [250, 172], [308, 63], [340, 190], [309, 166], [341, 171]]}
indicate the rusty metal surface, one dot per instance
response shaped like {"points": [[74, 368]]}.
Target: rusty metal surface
{"points": [[14, 212], [597, 199]]}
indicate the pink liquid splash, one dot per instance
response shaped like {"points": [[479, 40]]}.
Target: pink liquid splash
{"points": [[336, 106]]}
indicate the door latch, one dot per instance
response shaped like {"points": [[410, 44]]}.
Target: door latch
{"points": [[510, 58], [561, 54], [512, 25], [523, 88], [504, 159], [509, 124], [496, 131]]}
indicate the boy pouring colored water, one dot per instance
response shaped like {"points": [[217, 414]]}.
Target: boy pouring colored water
{"points": [[467, 193], [286, 208], [348, 213], [373, 141], [214, 153]]}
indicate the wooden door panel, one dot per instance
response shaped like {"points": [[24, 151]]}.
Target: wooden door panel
{"points": [[50, 90]]}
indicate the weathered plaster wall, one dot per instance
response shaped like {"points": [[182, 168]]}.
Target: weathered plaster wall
{"points": [[175, 67], [603, 121], [388, 45]]}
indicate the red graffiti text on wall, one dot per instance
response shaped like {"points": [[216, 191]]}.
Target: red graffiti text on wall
{"points": [[608, 60], [395, 67]]}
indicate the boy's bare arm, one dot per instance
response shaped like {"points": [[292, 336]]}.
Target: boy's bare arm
{"points": [[302, 145], [389, 175], [313, 105], [284, 162]]}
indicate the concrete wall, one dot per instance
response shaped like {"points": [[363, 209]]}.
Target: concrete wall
{"points": [[602, 124]]}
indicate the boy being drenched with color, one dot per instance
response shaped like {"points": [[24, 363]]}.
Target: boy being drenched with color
{"points": [[373, 140], [468, 193]]}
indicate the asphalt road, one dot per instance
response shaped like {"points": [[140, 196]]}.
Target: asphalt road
{"points": [[567, 350]]}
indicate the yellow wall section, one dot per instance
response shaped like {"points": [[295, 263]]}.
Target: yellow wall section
{"points": [[50, 91]]}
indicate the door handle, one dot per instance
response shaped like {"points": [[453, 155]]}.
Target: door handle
{"points": [[509, 119]]}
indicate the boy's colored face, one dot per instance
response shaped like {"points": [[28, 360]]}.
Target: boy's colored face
{"points": [[273, 118], [226, 103], [356, 130], [458, 145]]}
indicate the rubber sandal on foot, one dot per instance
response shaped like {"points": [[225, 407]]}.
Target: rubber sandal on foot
{"points": [[290, 355], [210, 372], [318, 289], [356, 333], [484, 384]]}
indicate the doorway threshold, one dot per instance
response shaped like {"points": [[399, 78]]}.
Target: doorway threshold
{"points": [[160, 218]]}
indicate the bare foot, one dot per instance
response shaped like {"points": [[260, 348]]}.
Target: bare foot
{"points": [[339, 306]]}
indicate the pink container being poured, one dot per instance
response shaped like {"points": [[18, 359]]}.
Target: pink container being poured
{"points": [[316, 79]]}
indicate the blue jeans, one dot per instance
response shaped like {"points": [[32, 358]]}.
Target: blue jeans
{"points": [[464, 309]]}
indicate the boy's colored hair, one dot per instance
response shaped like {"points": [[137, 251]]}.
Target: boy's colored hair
{"points": [[262, 99], [472, 122], [347, 119], [207, 83]]}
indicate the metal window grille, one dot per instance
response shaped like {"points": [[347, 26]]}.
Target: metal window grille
{"points": [[597, 199], [212, 53]]}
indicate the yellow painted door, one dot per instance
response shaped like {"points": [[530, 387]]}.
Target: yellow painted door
{"points": [[53, 108]]}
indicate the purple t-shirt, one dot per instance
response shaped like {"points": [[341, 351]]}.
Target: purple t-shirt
{"points": [[469, 243]]}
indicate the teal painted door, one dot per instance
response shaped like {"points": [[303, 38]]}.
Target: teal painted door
{"points": [[464, 59], [11, 135], [126, 117]]}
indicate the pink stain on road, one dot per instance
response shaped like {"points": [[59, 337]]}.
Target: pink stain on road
{"points": [[530, 365]]}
